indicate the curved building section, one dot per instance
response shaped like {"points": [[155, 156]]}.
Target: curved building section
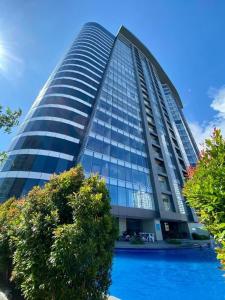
{"points": [[49, 139]]}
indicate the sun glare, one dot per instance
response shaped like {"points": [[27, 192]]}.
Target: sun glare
{"points": [[1, 50]]}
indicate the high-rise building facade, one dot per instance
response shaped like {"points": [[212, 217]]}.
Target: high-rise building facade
{"points": [[110, 106]]}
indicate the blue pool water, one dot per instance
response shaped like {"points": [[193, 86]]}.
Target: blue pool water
{"points": [[182, 274]]}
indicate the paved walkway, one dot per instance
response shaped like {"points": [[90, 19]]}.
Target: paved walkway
{"points": [[162, 245]]}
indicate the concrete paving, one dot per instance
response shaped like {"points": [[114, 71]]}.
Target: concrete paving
{"points": [[162, 245]]}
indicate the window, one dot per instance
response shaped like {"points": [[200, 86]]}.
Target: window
{"points": [[167, 202], [87, 163], [113, 194], [113, 170], [163, 181], [96, 165], [122, 196]]}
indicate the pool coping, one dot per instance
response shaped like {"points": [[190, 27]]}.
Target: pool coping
{"points": [[161, 246]]}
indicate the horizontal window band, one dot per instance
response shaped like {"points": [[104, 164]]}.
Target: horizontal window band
{"points": [[48, 134], [72, 79], [97, 49], [58, 114], [60, 120], [98, 28], [41, 152], [25, 174], [36, 163], [86, 57], [86, 63], [87, 47], [90, 54], [53, 126], [77, 75], [102, 33], [49, 141], [97, 34], [93, 42], [97, 38], [79, 67], [65, 96], [61, 106], [69, 87]]}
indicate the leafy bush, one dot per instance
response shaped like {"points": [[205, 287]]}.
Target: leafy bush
{"points": [[61, 239], [136, 240], [205, 189]]}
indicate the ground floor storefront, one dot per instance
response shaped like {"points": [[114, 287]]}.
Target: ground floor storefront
{"points": [[162, 229]]}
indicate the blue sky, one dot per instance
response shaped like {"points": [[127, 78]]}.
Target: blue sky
{"points": [[186, 37]]}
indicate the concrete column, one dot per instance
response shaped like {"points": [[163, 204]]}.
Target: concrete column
{"points": [[158, 230], [122, 225]]}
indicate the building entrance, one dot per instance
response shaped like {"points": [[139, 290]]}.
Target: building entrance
{"points": [[174, 230], [134, 226]]}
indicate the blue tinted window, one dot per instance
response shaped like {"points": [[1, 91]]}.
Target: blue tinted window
{"points": [[87, 163], [121, 172], [82, 63], [113, 194], [89, 55], [77, 76], [130, 198], [113, 170], [47, 143], [54, 126], [60, 113], [36, 163], [96, 165], [72, 57], [105, 168], [128, 174], [74, 83], [66, 101], [71, 92], [122, 196], [66, 66]]}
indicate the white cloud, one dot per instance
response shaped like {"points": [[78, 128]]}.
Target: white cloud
{"points": [[205, 129]]}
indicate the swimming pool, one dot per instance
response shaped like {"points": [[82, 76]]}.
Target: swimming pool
{"points": [[182, 274]]}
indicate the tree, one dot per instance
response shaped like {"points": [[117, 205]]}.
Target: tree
{"points": [[10, 213], [205, 189], [8, 120], [63, 245]]}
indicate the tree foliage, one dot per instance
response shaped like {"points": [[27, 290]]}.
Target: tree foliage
{"points": [[8, 120], [205, 189], [63, 245]]}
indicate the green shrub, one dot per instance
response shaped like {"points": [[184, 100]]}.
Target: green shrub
{"points": [[136, 240], [205, 189], [61, 239]]}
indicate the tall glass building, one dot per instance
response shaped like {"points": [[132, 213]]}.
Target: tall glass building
{"points": [[110, 106]]}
